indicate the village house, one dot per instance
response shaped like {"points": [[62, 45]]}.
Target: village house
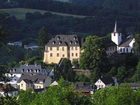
{"points": [[17, 43], [15, 73], [33, 81], [62, 46], [104, 82]]}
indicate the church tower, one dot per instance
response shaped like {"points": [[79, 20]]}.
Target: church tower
{"points": [[116, 37]]}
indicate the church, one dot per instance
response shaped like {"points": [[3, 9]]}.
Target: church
{"points": [[120, 44]]}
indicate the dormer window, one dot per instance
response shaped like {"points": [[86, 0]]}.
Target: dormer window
{"points": [[53, 42], [22, 70], [74, 38], [60, 42], [70, 42], [76, 42]]}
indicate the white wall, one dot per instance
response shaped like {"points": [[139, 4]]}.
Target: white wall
{"points": [[100, 84], [116, 38], [124, 49]]}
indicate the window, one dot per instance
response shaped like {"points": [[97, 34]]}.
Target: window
{"points": [[57, 54], [62, 48], [63, 55], [120, 49], [76, 54], [60, 42], [126, 49], [72, 54], [21, 85], [50, 48], [51, 54], [53, 42]]}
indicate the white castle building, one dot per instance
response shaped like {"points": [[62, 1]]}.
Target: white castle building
{"points": [[121, 45]]}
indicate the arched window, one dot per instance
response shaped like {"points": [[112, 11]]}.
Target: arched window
{"points": [[123, 50], [126, 49], [120, 50]]}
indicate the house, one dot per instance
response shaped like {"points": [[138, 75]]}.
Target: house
{"points": [[84, 87], [17, 43], [62, 46], [122, 45], [31, 46], [33, 81], [16, 72], [7, 90], [104, 82]]}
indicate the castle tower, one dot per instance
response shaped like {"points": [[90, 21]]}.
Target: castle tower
{"points": [[116, 37]]}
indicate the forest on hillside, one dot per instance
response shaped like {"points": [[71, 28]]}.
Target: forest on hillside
{"points": [[103, 12]]}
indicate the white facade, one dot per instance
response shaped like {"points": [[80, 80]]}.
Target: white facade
{"points": [[124, 49], [100, 84], [125, 46], [116, 37]]}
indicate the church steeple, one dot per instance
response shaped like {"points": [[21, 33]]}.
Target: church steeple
{"points": [[116, 37], [115, 28]]}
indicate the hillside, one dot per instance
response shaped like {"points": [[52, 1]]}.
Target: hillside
{"points": [[20, 13]]}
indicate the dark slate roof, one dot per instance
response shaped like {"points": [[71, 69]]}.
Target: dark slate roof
{"points": [[28, 69], [27, 81], [107, 80], [64, 40], [126, 42], [36, 78], [83, 86]]}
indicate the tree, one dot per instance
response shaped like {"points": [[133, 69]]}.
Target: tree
{"points": [[8, 101], [94, 56], [137, 73], [26, 97], [65, 70], [137, 44], [75, 63], [121, 95], [121, 73], [43, 36]]}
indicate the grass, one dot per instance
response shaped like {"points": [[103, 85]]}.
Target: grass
{"points": [[20, 12]]}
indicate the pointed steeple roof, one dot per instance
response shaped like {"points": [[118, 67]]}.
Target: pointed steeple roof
{"points": [[115, 28]]}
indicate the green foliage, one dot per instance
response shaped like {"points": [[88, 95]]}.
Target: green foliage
{"points": [[82, 78], [65, 70], [8, 101], [94, 56], [43, 36], [137, 44], [75, 63], [26, 97], [121, 95], [121, 73], [136, 76], [63, 94]]}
